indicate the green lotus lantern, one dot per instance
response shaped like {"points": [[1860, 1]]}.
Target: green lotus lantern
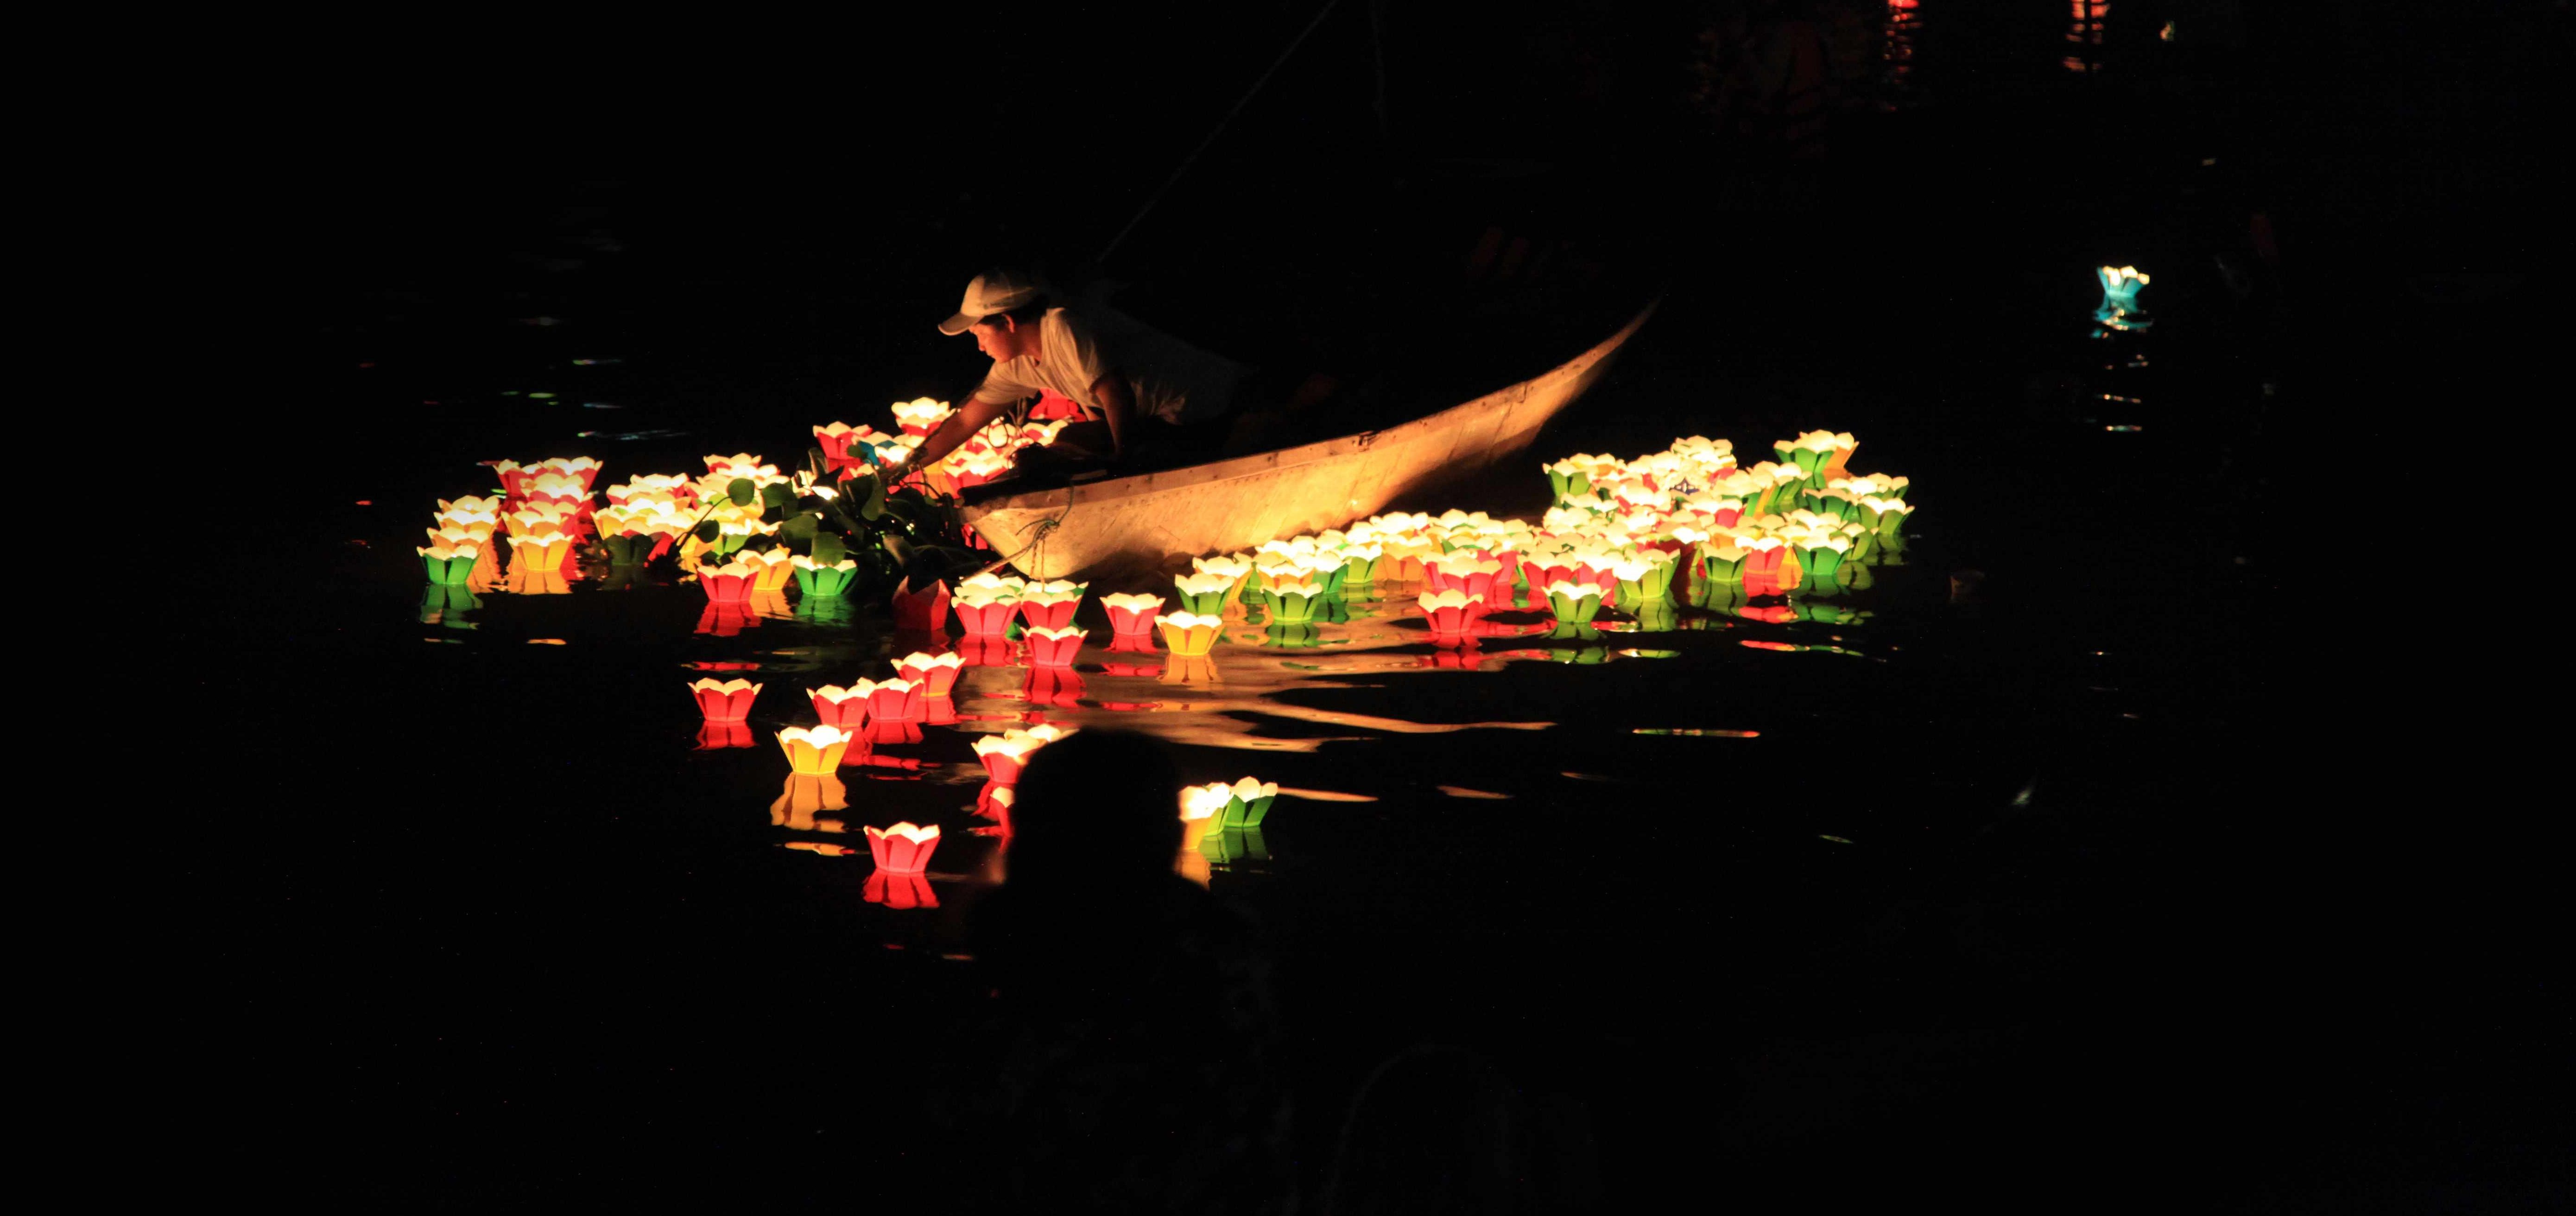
{"points": [[1204, 593], [1574, 603], [818, 580], [1245, 803], [1293, 603], [448, 567], [1643, 579], [1820, 554], [1360, 564]]}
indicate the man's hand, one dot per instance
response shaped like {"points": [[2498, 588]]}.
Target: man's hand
{"points": [[955, 429]]}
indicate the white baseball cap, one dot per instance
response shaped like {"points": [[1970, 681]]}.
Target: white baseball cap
{"points": [[993, 292]]}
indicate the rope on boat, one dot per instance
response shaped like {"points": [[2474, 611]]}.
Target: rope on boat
{"points": [[1044, 528]]}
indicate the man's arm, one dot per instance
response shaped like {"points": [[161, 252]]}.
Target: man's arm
{"points": [[953, 430], [1117, 408]]}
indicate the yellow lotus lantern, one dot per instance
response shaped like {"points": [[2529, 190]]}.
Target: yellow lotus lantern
{"points": [[814, 752], [1190, 633], [650, 487], [740, 464], [775, 567], [1202, 809], [540, 549], [921, 415], [579, 468]]}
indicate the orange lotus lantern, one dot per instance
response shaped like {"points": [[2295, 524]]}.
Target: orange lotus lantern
{"points": [[729, 701], [1132, 616], [936, 673], [903, 848], [1202, 810], [814, 752], [1191, 635], [846, 708], [923, 611], [1054, 647], [1050, 605], [1004, 754], [730, 583], [921, 415], [1450, 612], [775, 568], [540, 552]]}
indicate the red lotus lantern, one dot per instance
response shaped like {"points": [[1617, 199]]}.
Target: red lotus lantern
{"points": [[1005, 753], [924, 611], [1050, 605], [726, 702], [896, 700], [846, 708], [730, 583], [1055, 647], [1461, 572], [936, 673], [1131, 616], [984, 613], [903, 848], [1450, 612]]}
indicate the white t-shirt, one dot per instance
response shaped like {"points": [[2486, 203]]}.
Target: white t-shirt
{"points": [[1171, 379]]}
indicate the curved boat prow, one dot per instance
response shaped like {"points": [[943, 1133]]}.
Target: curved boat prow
{"points": [[1158, 520]]}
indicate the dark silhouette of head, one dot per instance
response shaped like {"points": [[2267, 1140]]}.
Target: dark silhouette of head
{"points": [[1097, 807]]}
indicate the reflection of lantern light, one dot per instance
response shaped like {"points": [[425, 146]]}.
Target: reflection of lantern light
{"points": [[726, 620], [729, 583], [1005, 753], [1058, 686], [816, 579], [729, 701], [986, 650], [846, 708], [716, 736], [903, 848], [1055, 647], [449, 567], [937, 673], [804, 794], [1188, 669], [815, 752], [900, 892], [1132, 616], [923, 611], [1451, 611], [1191, 634], [1574, 603]]}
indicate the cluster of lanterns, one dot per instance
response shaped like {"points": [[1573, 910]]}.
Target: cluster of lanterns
{"points": [[1637, 537], [851, 451]]}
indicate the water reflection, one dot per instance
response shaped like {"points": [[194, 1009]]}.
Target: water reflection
{"points": [[1058, 686], [442, 604], [713, 736], [1190, 669], [726, 620], [803, 796], [901, 892], [536, 582]]}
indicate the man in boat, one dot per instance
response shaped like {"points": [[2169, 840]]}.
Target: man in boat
{"points": [[1148, 399]]}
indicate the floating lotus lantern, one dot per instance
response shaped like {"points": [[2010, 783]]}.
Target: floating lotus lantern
{"points": [[1050, 605], [740, 464], [1450, 611], [1460, 572], [936, 673], [728, 701], [836, 440], [1247, 802], [470, 509], [1821, 553], [903, 848], [1885, 516], [984, 611], [449, 566], [923, 611], [921, 415], [1818, 455], [533, 516], [1571, 478], [1204, 593], [1647, 576], [1132, 616], [1360, 562], [1005, 753], [844, 708], [1236, 569], [895, 700], [814, 752], [1574, 603], [648, 488], [2119, 308], [1191, 634], [729, 583], [1202, 810], [540, 551], [817, 579], [775, 567], [1293, 603], [974, 469], [1054, 647]]}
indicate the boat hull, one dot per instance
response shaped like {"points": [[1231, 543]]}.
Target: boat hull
{"points": [[1157, 521]]}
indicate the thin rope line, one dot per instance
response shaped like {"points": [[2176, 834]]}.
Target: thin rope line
{"points": [[1193, 157]]}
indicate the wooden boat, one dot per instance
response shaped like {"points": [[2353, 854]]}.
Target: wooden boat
{"points": [[1155, 521]]}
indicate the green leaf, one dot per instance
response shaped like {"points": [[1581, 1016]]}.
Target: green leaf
{"points": [[799, 528], [708, 531], [829, 549], [899, 550], [740, 490], [874, 508], [778, 495]]}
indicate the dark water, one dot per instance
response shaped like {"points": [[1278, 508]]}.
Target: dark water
{"points": [[1777, 906]]}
